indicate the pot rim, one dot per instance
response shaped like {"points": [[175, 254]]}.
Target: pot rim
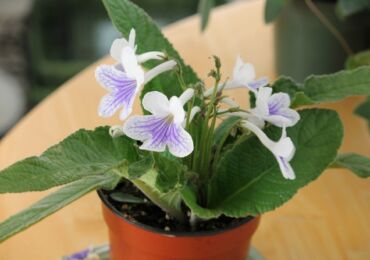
{"points": [[149, 228]]}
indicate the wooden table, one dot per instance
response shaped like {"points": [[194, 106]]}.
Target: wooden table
{"points": [[329, 219]]}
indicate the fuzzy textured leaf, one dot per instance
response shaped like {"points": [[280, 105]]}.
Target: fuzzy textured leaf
{"points": [[170, 173], [326, 88], [358, 164], [84, 153], [337, 86], [140, 167], [126, 15], [358, 60], [54, 202], [169, 202], [248, 179]]}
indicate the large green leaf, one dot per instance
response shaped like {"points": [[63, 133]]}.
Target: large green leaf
{"points": [[358, 164], [169, 202], [54, 202], [84, 153], [337, 86], [126, 15], [248, 179], [349, 7], [327, 88], [273, 9], [171, 172]]}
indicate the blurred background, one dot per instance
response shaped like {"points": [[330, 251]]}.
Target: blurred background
{"points": [[43, 43]]}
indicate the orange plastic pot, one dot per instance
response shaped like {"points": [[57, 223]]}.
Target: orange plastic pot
{"points": [[133, 241]]}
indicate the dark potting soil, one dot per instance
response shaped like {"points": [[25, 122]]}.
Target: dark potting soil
{"points": [[151, 215]]}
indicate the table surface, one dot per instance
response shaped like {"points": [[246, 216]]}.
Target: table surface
{"points": [[328, 219]]}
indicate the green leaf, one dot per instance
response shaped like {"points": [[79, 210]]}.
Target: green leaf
{"points": [[169, 202], [363, 110], [137, 169], [84, 153], [126, 15], [54, 202], [358, 164], [204, 10], [248, 179], [126, 198], [349, 7], [358, 60], [326, 88], [273, 9], [337, 86], [170, 173]]}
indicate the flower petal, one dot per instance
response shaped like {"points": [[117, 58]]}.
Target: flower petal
{"points": [[285, 168], [140, 127], [277, 102], [243, 72], [260, 123], [156, 103], [158, 132], [123, 95], [284, 148], [290, 114], [117, 47], [262, 98], [131, 38], [108, 106], [177, 110], [186, 96], [180, 143], [110, 77], [259, 83], [131, 66], [286, 118]]}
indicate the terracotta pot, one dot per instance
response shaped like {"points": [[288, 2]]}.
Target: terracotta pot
{"points": [[133, 241]]}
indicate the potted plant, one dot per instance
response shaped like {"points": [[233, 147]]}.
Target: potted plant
{"points": [[191, 177]]}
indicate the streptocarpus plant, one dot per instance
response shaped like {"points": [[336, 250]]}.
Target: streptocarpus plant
{"points": [[194, 149]]}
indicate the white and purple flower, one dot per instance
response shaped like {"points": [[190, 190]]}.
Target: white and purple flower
{"points": [[125, 79], [273, 109], [244, 76], [119, 44], [283, 150], [164, 128]]}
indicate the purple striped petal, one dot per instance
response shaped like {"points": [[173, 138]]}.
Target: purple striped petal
{"points": [[122, 91], [256, 84], [277, 102], [285, 168], [159, 132]]}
